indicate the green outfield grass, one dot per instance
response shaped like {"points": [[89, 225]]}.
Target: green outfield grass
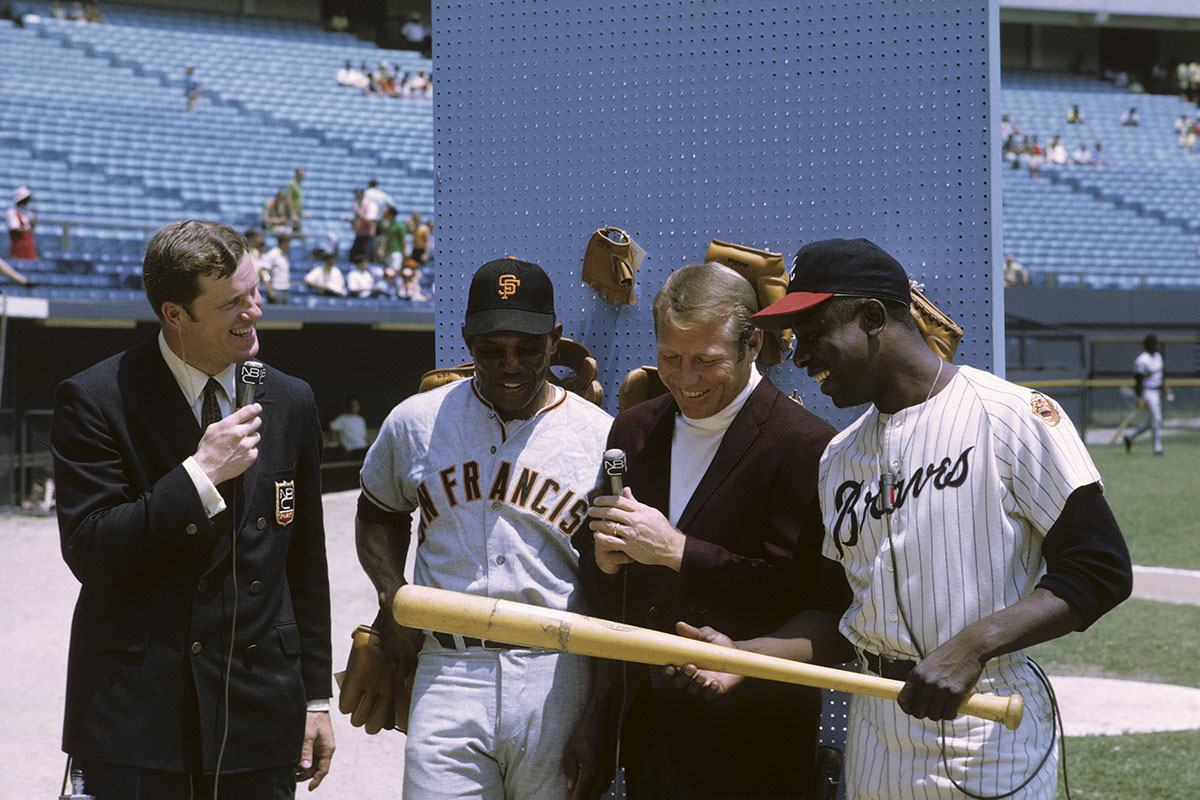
{"points": [[1141, 639], [1143, 766], [1138, 640], [1153, 498]]}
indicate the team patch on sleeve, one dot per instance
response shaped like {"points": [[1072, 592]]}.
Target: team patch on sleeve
{"points": [[1043, 408]]}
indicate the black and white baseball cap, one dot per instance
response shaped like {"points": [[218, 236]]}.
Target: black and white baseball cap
{"points": [[510, 295]]}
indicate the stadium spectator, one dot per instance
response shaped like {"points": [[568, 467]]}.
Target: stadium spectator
{"points": [[1035, 157], [420, 242], [91, 11], [254, 245], [1056, 153], [363, 280], [350, 428], [339, 22], [364, 227], [22, 220], [1015, 273], [1130, 118], [277, 214], [1098, 157], [385, 82], [295, 196], [1074, 116], [191, 88], [275, 270], [76, 12], [1082, 155], [409, 285], [420, 85], [10, 272], [325, 278], [381, 200], [1011, 150], [390, 236], [57, 11], [1008, 127], [1183, 79], [345, 75], [1194, 81]]}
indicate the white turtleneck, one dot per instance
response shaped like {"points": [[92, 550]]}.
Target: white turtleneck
{"points": [[695, 442]]}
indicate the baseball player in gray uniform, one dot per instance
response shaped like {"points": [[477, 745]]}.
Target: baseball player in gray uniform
{"points": [[500, 467], [971, 524]]}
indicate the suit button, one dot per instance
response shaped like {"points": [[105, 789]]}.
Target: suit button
{"points": [[251, 650], [255, 587], [191, 529], [499, 559], [202, 586], [196, 648], [691, 609], [260, 523], [653, 612]]}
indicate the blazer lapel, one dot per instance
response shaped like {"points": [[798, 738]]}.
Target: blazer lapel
{"points": [[651, 489], [737, 440], [161, 402]]}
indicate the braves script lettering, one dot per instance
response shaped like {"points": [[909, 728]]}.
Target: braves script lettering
{"points": [[853, 498]]}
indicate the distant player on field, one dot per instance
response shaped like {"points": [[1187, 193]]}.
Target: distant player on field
{"points": [[971, 524]]}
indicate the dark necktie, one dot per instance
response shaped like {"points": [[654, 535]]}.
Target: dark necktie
{"points": [[210, 412]]}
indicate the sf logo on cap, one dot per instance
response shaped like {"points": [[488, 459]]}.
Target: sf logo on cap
{"points": [[508, 286]]}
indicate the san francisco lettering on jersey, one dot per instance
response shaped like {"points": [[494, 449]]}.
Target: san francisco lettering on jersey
{"points": [[513, 485]]}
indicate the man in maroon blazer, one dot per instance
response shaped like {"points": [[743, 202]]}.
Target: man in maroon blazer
{"points": [[718, 525]]}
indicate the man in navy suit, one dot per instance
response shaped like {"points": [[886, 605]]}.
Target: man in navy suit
{"points": [[718, 521], [186, 519]]}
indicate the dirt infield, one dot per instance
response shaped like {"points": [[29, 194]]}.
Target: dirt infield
{"points": [[37, 594]]}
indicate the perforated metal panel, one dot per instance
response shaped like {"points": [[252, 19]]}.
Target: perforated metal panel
{"points": [[767, 124]]}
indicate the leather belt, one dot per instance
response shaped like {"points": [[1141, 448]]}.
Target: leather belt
{"points": [[447, 640], [895, 669]]}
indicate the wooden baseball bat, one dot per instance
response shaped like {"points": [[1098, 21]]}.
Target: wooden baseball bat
{"points": [[533, 626], [1137, 406]]}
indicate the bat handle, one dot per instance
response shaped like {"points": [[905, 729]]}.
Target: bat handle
{"points": [[998, 708]]}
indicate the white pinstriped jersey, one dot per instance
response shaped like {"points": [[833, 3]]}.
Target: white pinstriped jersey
{"points": [[499, 500], [983, 470]]}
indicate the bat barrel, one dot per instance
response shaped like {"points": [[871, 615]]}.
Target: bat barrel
{"points": [[428, 608]]}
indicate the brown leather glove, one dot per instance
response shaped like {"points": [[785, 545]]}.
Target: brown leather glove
{"points": [[440, 377], [374, 695], [609, 263], [639, 385], [939, 331], [767, 275]]}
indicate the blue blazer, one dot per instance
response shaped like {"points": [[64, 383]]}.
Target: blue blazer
{"points": [[150, 638]]}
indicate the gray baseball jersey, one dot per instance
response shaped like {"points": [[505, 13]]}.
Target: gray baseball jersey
{"points": [[498, 500], [982, 471]]}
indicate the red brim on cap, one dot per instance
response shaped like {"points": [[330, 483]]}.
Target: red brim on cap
{"points": [[775, 316]]}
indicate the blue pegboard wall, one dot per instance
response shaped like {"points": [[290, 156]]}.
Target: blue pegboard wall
{"points": [[767, 124]]}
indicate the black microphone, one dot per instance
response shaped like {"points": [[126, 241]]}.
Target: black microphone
{"points": [[253, 374], [614, 468]]}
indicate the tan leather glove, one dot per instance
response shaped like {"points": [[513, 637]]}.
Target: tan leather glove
{"points": [[940, 332], [609, 264], [639, 385], [767, 275], [372, 693], [440, 377]]}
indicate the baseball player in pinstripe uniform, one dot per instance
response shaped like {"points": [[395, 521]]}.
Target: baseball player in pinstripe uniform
{"points": [[500, 467], [971, 524]]}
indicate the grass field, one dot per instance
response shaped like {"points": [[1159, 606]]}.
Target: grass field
{"points": [[1140, 639], [1151, 497]]}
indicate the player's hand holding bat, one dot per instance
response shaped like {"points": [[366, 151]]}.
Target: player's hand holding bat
{"points": [[940, 682], [622, 525], [702, 682], [230, 445]]}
